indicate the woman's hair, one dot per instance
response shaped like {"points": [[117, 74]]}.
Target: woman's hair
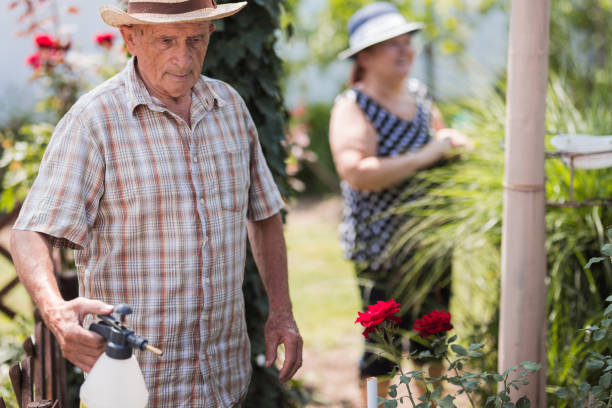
{"points": [[357, 72]]}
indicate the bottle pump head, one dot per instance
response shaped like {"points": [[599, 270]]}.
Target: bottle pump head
{"points": [[120, 340]]}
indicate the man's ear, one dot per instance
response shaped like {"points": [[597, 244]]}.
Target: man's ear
{"points": [[129, 38], [211, 28]]}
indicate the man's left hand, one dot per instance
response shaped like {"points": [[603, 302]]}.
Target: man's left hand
{"points": [[281, 329]]}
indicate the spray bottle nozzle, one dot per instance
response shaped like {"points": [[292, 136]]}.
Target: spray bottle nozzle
{"points": [[120, 339]]}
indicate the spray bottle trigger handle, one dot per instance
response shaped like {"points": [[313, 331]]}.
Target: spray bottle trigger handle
{"points": [[102, 329], [122, 310]]}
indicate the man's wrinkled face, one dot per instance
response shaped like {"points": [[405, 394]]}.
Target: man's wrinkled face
{"points": [[169, 56]]}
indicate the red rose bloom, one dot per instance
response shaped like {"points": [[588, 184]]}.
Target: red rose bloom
{"points": [[377, 314], [45, 41], [34, 60], [432, 323], [105, 39]]}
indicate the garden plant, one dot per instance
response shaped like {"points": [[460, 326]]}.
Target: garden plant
{"points": [[380, 323]]}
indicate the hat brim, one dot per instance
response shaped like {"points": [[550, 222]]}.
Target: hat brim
{"points": [[403, 29], [116, 17]]}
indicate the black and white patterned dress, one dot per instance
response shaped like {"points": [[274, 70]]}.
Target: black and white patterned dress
{"points": [[364, 236]]}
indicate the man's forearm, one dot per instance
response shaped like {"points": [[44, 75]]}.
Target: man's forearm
{"points": [[32, 256], [270, 253]]}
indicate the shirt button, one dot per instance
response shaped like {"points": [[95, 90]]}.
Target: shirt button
{"points": [[202, 201], [207, 281], [195, 159]]}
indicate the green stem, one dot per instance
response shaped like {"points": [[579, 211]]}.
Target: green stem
{"points": [[398, 360], [462, 387]]}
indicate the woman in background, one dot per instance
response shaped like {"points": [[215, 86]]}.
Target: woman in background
{"points": [[383, 130]]}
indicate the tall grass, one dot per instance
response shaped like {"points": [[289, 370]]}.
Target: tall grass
{"points": [[459, 222]]}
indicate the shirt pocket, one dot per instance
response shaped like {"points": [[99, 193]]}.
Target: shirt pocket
{"points": [[233, 179]]}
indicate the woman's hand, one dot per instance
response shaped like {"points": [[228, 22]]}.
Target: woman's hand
{"points": [[456, 139]]}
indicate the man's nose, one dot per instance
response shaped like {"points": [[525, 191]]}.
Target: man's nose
{"points": [[182, 57]]}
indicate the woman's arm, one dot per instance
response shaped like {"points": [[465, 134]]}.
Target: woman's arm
{"points": [[353, 141]]}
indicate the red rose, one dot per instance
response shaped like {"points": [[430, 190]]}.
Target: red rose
{"points": [[105, 39], [45, 41], [432, 323], [377, 314], [34, 60]]}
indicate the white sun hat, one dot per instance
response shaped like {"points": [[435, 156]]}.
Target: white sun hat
{"points": [[375, 23], [167, 11]]}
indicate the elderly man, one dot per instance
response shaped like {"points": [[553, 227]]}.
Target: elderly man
{"points": [[156, 178]]}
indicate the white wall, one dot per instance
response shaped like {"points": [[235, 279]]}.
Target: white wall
{"points": [[17, 94]]}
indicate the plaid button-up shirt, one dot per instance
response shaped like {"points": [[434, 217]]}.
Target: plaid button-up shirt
{"points": [[157, 211]]}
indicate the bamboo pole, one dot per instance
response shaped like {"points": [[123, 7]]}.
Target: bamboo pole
{"points": [[523, 292]]}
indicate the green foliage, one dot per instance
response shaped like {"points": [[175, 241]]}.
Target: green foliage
{"points": [[458, 358], [579, 46], [11, 351], [460, 219], [242, 54], [20, 161], [597, 390], [310, 161]]}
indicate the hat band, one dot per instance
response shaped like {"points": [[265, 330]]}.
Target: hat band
{"points": [[150, 7], [375, 28]]}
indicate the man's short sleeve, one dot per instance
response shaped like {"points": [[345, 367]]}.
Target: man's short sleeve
{"points": [[264, 198], [63, 200]]}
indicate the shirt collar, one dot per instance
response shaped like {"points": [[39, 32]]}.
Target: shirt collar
{"points": [[204, 96]]}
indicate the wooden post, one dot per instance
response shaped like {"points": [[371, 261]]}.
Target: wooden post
{"points": [[523, 292]]}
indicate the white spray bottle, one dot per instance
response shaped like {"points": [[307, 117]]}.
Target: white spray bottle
{"points": [[115, 381]]}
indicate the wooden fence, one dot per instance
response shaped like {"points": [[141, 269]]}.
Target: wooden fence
{"points": [[39, 381]]}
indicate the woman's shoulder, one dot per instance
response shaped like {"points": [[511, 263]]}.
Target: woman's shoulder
{"points": [[418, 89], [347, 96], [346, 101]]}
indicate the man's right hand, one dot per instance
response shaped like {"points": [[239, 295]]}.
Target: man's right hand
{"points": [[80, 346]]}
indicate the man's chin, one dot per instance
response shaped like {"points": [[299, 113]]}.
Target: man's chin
{"points": [[177, 93]]}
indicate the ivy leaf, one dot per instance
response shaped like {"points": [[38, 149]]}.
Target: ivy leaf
{"points": [[523, 402], [562, 393], [405, 380], [446, 402], [504, 397], [610, 233], [531, 366], [609, 298], [390, 403], [454, 337], [584, 388], [593, 364], [605, 380], [593, 261], [600, 334], [436, 393], [459, 350], [607, 250]]}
